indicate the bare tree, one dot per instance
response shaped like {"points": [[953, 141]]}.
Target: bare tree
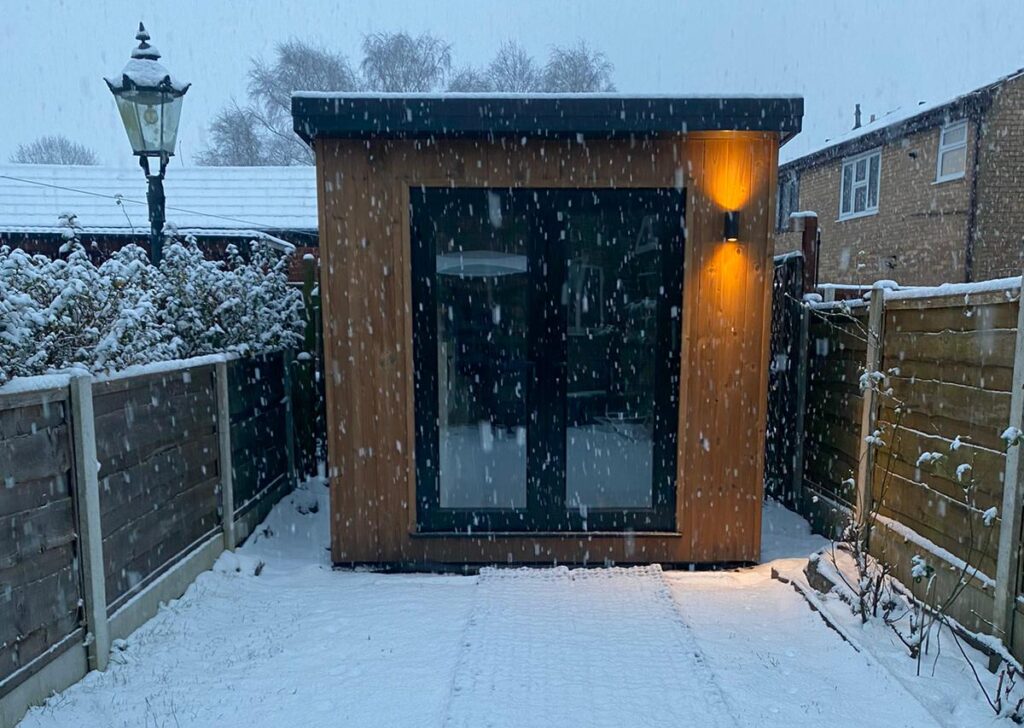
{"points": [[261, 133], [513, 70], [54, 149], [577, 69], [469, 79], [236, 140], [401, 62]]}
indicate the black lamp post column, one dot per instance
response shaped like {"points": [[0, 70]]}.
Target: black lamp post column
{"points": [[157, 206]]}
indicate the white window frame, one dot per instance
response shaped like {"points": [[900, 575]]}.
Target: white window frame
{"points": [[866, 184], [945, 148]]}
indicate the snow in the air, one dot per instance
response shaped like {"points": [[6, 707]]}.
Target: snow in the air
{"points": [[302, 644]]}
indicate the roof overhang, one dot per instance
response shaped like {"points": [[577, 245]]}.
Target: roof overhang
{"points": [[363, 116]]}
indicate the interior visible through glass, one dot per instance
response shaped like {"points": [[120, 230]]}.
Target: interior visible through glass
{"points": [[615, 278], [482, 290]]}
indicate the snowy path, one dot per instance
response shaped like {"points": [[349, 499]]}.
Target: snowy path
{"points": [[778, 664], [301, 644], [604, 644]]}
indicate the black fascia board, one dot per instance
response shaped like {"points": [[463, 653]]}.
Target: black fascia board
{"points": [[363, 116]]}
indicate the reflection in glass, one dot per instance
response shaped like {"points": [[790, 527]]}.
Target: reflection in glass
{"points": [[614, 284], [481, 354]]}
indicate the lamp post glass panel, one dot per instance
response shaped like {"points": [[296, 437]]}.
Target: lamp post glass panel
{"points": [[149, 101]]}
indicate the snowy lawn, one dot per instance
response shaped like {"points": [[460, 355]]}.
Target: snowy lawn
{"points": [[301, 644]]}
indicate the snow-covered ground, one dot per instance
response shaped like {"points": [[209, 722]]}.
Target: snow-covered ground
{"points": [[303, 645]]}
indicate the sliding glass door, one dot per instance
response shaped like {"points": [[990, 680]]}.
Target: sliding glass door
{"points": [[546, 349]]}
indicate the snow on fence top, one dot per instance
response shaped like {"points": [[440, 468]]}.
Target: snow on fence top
{"points": [[237, 200], [893, 292], [62, 378], [956, 289]]}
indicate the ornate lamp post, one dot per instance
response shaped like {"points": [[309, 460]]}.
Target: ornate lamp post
{"points": [[149, 101]]}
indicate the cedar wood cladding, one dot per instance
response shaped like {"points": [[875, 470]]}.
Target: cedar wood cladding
{"points": [[365, 242]]}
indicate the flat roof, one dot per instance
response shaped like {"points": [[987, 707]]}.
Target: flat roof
{"points": [[366, 115]]}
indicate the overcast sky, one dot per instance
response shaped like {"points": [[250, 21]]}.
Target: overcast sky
{"points": [[880, 53]]}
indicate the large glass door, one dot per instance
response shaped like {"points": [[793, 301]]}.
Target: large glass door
{"points": [[546, 348]]}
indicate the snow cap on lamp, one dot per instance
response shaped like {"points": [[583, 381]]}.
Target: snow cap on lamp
{"points": [[149, 100]]}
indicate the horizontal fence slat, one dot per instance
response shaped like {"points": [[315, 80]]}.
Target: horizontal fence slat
{"points": [[35, 456], [129, 493], [29, 418], [979, 348], [958, 318], [29, 532], [993, 378], [969, 405]]}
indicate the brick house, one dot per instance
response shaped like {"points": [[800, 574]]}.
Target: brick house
{"points": [[925, 195], [217, 205]]}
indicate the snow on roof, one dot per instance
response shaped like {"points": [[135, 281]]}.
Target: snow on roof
{"points": [[885, 120], [614, 95], [233, 200]]}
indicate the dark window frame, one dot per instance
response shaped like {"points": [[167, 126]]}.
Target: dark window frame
{"points": [[546, 442]]}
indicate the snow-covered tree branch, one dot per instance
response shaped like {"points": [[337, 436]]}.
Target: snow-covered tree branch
{"points": [[56, 314]]}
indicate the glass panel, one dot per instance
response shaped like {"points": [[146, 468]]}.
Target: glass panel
{"points": [[954, 135], [482, 290], [847, 188], [953, 162], [873, 182], [860, 197], [862, 170], [615, 249]]}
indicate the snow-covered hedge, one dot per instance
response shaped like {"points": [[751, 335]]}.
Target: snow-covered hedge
{"points": [[69, 312]]}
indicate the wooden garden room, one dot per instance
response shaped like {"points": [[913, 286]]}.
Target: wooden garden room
{"points": [[546, 324]]}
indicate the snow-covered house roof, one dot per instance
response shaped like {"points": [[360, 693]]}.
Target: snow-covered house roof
{"points": [[211, 201], [894, 124]]}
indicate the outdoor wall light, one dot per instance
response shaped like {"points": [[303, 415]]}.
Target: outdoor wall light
{"points": [[731, 226]]}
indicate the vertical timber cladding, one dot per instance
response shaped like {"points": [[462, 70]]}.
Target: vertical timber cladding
{"points": [[365, 232]]}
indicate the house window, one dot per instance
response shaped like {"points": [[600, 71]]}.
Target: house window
{"points": [[789, 200], [952, 152], [859, 195]]}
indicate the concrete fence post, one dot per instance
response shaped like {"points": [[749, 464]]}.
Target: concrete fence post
{"points": [[869, 406], [1008, 560], [87, 502], [227, 488]]}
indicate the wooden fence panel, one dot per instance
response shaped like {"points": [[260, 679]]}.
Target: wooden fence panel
{"points": [[156, 441], [949, 366], [259, 440], [836, 348], [39, 578], [949, 371]]}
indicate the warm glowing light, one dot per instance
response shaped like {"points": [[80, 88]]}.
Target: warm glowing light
{"points": [[729, 267], [735, 172]]}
